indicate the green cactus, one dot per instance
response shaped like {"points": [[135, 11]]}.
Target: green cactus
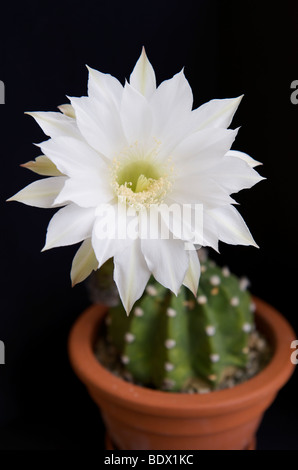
{"points": [[168, 341]]}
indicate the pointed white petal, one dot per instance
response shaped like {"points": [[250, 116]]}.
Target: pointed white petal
{"points": [[234, 174], [200, 189], [171, 107], [100, 125], [86, 190], [109, 235], [202, 150], [143, 76], [191, 280], [131, 274], [231, 227], [55, 124], [189, 222], [136, 115], [68, 110], [69, 225], [167, 260], [83, 263], [173, 95], [215, 113], [243, 156], [73, 157], [41, 193], [104, 87], [43, 166]]}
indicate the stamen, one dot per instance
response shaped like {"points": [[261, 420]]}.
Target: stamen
{"points": [[138, 179]]}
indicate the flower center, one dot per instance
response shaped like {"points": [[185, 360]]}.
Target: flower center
{"points": [[139, 179]]}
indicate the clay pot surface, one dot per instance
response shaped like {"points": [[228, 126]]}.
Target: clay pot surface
{"points": [[140, 418]]}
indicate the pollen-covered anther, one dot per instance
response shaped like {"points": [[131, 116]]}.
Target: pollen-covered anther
{"points": [[153, 193], [137, 180]]}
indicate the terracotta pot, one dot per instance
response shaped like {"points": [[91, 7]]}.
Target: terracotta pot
{"points": [[140, 418]]}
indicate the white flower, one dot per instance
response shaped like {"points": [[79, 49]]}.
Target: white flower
{"points": [[141, 145]]}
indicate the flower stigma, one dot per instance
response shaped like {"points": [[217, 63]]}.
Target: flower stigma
{"points": [[139, 179]]}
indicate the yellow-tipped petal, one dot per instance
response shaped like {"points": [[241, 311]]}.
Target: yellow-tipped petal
{"points": [[83, 263], [55, 124], [191, 280], [67, 110], [42, 166]]}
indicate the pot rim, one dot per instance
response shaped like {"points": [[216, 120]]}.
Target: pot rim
{"points": [[266, 382]]}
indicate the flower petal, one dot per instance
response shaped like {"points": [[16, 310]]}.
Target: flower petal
{"points": [[109, 235], [215, 113], [243, 156], [86, 190], [234, 174], [202, 150], [171, 106], [73, 157], [68, 110], [43, 166], [189, 222], [83, 263], [104, 87], [200, 189], [167, 260], [55, 124], [191, 280], [231, 227], [136, 116], [69, 225], [143, 76], [131, 274], [41, 193], [100, 125]]}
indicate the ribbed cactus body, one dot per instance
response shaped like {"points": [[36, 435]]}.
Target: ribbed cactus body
{"points": [[167, 341]]}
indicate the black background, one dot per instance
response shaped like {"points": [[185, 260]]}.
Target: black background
{"points": [[227, 48]]}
